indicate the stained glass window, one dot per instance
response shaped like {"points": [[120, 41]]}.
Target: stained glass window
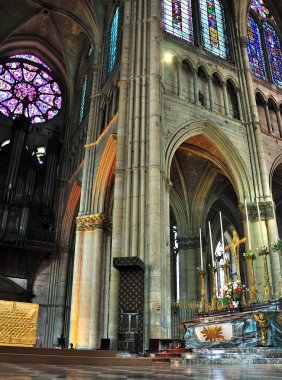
{"points": [[259, 7], [214, 27], [274, 53], [82, 102], [254, 48], [113, 42], [177, 18], [27, 85]]}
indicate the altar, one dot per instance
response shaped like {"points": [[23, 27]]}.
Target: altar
{"points": [[257, 325]]}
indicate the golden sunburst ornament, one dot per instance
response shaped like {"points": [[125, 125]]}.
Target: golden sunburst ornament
{"points": [[213, 333]]}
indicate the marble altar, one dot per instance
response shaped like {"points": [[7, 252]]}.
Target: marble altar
{"points": [[256, 325]]}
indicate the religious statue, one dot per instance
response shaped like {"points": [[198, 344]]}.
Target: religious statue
{"points": [[262, 323]]}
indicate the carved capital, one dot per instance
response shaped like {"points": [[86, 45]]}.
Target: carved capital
{"points": [[265, 209], [189, 242], [90, 223]]}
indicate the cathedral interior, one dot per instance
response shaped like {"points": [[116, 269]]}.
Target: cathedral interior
{"points": [[136, 137]]}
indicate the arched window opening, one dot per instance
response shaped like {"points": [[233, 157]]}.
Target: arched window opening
{"points": [[177, 19], [27, 86], [261, 112], [233, 104], [113, 41], [218, 94], [213, 24], [170, 76], [263, 44], [186, 81], [273, 127], [203, 92]]}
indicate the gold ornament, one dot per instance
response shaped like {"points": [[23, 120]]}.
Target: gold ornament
{"points": [[213, 333]]}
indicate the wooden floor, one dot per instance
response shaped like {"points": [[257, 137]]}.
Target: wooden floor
{"points": [[68, 356]]}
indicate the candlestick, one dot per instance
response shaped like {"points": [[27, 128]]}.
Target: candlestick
{"points": [[211, 244], [201, 250], [222, 238], [248, 226]]}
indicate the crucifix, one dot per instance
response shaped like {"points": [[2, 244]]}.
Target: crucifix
{"points": [[234, 245]]}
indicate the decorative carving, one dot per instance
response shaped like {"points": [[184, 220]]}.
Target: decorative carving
{"points": [[90, 223], [213, 333], [18, 323], [190, 242], [262, 323], [265, 208]]}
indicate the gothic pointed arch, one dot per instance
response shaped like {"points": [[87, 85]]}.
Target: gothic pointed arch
{"points": [[230, 163], [104, 176]]}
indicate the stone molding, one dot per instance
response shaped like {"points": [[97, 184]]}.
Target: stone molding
{"points": [[90, 223], [265, 208]]}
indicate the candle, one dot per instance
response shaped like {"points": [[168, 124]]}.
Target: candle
{"points": [[248, 226], [260, 224], [201, 249], [211, 244], [222, 238]]}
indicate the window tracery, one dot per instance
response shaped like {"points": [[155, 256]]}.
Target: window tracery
{"points": [[178, 19], [27, 85], [263, 44], [214, 27]]}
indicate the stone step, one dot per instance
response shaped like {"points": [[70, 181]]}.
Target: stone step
{"points": [[254, 355]]}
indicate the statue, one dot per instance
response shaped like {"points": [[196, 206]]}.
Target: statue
{"points": [[262, 323]]}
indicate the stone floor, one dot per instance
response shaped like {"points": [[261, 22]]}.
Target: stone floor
{"points": [[157, 371]]}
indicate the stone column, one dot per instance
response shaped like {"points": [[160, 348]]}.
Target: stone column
{"points": [[267, 213], [154, 259], [225, 99], [269, 125], [255, 135], [118, 208], [195, 83], [239, 103], [189, 260], [210, 84], [87, 294], [279, 121]]}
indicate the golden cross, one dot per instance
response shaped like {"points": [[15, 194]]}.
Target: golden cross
{"points": [[234, 244]]}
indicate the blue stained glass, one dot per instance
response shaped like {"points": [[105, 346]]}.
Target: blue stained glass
{"points": [[113, 42], [213, 24], [82, 102], [259, 7], [254, 48], [274, 53], [177, 19]]}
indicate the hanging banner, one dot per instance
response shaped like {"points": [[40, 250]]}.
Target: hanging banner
{"points": [[18, 322]]}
